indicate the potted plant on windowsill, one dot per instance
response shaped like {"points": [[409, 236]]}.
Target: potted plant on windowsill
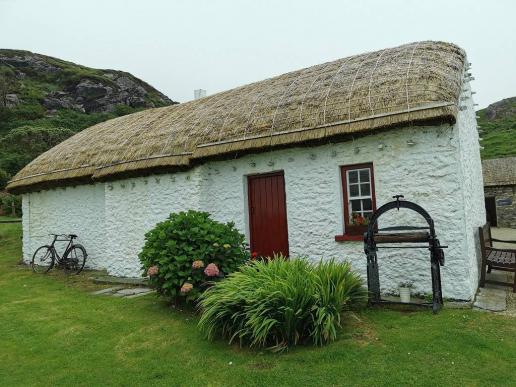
{"points": [[358, 224], [404, 289]]}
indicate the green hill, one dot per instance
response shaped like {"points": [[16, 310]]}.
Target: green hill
{"points": [[498, 125], [44, 100]]}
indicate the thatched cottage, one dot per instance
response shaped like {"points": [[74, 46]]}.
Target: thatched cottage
{"points": [[296, 161], [500, 191]]}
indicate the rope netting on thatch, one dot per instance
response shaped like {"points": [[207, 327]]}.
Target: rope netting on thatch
{"points": [[414, 82]]}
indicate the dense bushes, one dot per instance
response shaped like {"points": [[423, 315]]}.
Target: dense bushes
{"points": [[10, 205], [280, 303], [23, 144], [189, 250]]}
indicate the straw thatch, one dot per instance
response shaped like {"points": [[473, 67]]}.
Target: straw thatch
{"points": [[396, 86], [499, 172]]}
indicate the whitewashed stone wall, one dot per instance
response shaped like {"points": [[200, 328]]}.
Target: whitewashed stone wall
{"points": [[134, 206], [427, 173], [473, 191], [441, 172], [72, 210]]}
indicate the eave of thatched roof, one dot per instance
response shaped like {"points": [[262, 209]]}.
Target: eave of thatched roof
{"points": [[413, 83], [498, 172]]}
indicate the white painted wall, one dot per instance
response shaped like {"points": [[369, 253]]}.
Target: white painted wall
{"points": [[473, 186], [441, 172], [134, 206], [73, 210]]}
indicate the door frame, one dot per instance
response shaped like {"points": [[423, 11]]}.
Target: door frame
{"points": [[258, 175], [492, 199]]}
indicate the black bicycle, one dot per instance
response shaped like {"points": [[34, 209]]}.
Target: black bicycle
{"points": [[72, 261]]}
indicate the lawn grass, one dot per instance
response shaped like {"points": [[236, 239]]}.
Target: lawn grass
{"points": [[52, 332]]}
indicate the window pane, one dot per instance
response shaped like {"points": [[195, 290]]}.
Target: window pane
{"points": [[355, 206], [368, 205], [353, 176], [364, 175], [365, 189], [353, 190]]}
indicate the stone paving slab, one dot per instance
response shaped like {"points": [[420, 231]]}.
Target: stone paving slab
{"points": [[107, 291], [509, 234], [494, 300], [131, 292], [121, 291], [107, 279], [140, 294]]}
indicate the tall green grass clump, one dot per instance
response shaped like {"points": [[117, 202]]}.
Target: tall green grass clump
{"points": [[281, 303]]}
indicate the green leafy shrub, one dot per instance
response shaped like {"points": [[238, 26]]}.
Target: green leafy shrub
{"points": [[4, 178], [10, 204], [281, 303], [188, 251], [23, 144]]}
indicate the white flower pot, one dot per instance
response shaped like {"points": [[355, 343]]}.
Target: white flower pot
{"points": [[405, 295]]}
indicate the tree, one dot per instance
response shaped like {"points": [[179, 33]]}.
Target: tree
{"points": [[23, 144], [4, 178]]}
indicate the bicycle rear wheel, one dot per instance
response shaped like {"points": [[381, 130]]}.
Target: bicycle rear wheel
{"points": [[74, 262], [42, 260]]}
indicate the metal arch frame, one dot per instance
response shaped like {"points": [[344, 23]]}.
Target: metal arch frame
{"points": [[436, 253]]}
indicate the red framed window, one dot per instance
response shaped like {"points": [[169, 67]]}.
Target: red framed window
{"points": [[359, 199]]}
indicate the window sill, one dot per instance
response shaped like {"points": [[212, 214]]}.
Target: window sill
{"points": [[349, 238]]}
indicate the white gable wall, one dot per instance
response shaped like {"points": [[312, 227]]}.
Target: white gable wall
{"points": [[439, 172], [473, 187], [73, 210]]}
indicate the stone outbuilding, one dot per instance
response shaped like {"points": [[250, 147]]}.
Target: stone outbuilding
{"points": [[500, 191], [298, 162]]}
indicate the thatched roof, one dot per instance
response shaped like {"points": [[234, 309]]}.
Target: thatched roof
{"points": [[396, 86], [499, 171]]}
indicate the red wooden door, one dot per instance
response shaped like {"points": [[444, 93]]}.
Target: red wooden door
{"points": [[268, 214]]}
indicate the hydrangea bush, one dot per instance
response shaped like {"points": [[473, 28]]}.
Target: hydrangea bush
{"points": [[187, 252]]}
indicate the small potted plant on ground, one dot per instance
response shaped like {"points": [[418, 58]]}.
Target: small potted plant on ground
{"points": [[404, 288]]}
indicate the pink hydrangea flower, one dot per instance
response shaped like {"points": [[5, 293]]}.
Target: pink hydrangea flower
{"points": [[197, 264], [186, 287], [211, 270], [153, 270]]}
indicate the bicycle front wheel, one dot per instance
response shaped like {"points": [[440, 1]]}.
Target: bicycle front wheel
{"points": [[42, 260], [75, 260]]}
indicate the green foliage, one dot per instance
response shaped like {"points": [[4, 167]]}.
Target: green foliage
{"points": [[32, 87], [499, 135], [23, 144], [172, 247], [281, 303], [10, 204], [52, 320], [4, 178]]}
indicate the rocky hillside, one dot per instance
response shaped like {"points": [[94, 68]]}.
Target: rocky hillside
{"points": [[44, 100], [498, 125]]}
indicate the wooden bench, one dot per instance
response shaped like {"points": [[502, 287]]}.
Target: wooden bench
{"points": [[495, 258]]}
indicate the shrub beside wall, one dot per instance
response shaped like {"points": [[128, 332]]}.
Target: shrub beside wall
{"points": [[281, 303], [10, 205], [188, 251]]}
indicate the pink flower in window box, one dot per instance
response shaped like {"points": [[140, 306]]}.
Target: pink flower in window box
{"points": [[211, 270]]}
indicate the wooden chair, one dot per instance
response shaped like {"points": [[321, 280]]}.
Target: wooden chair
{"points": [[495, 258]]}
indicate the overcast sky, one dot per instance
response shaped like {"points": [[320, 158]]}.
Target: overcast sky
{"points": [[178, 46]]}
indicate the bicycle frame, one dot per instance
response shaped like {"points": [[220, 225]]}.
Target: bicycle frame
{"points": [[68, 239]]}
